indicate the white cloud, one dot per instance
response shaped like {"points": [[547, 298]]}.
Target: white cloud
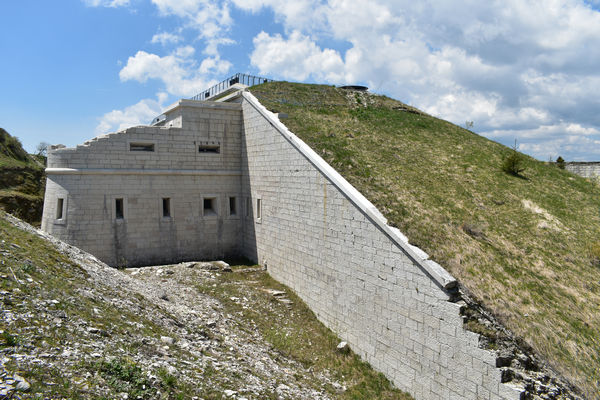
{"points": [[210, 18], [570, 140], [178, 71], [107, 3], [297, 57], [138, 114], [515, 66], [166, 38]]}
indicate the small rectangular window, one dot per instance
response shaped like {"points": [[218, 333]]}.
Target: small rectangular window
{"points": [[209, 206], [166, 207], [258, 211], [149, 147], [209, 148], [232, 206], [119, 214], [59, 208]]}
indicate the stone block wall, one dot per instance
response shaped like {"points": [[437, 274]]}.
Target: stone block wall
{"points": [[585, 169], [292, 213], [319, 236], [91, 177]]}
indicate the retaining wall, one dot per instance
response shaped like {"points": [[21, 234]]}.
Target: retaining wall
{"points": [[585, 169], [319, 236], [294, 214]]}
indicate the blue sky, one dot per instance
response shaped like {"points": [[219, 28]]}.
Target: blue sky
{"points": [[525, 70]]}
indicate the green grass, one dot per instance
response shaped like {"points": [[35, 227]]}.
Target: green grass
{"points": [[21, 180], [296, 333], [535, 259], [34, 273]]}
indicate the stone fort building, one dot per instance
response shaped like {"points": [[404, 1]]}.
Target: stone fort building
{"points": [[217, 179]]}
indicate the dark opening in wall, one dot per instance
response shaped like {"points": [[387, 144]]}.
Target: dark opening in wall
{"points": [[119, 209], [166, 207], [232, 206], [209, 148], [258, 210], [209, 206], [59, 208], [141, 147]]}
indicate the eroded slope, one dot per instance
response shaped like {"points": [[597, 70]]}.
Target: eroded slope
{"points": [[72, 327]]}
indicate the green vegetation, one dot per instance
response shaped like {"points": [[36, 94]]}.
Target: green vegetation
{"points": [[293, 330], [62, 307], [524, 247], [125, 376], [513, 162], [21, 180], [560, 162]]}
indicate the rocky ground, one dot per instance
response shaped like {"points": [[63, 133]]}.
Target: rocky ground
{"points": [[72, 327]]}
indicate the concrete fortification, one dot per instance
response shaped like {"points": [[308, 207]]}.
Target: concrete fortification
{"points": [[229, 179]]}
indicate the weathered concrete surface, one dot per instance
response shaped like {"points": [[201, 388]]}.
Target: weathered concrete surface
{"points": [[585, 169], [92, 176]]}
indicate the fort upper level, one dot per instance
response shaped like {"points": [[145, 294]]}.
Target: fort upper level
{"points": [[194, 135]]}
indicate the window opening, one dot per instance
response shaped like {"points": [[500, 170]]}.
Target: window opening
{"points": [[119, 209], [209, 148], [258, 211], [59, 208], [149, 147], [232, 206], [166, 207], [209, 206]]}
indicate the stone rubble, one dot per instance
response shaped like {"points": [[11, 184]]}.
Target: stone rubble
{"points": [[191, 336]]}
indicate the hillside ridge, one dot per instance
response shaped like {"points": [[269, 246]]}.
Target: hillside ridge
{"points": [[514, 242], [21, 180], [73, 327]]}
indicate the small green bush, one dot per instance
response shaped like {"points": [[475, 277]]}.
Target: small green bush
{"points": [[594, 252], [513, 162], [9, 340], [11, 146], [560, 162]]}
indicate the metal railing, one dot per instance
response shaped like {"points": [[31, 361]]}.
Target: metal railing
{"points": [[248, 80]]}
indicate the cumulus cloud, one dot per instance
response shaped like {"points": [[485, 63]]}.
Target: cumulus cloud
{"points": [[165, 38], [515, 67], [106, 3], [211, 22], [178, 71], [140, 113], [209, 18], [297, 57]]}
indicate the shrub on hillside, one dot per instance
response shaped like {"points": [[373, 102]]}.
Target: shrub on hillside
{"points": [[513, 162], [594, 251], [11, 146], [560, 162]]}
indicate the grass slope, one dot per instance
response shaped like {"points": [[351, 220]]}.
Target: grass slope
{"points": [[527, 247], [99, 336], [21, 180]]}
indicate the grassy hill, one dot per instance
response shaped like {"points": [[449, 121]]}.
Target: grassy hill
{"points": [[528, 246], [21, 180], [74, 328]]}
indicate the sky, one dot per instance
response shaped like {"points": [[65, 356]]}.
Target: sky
{"points": [[517, 69]]}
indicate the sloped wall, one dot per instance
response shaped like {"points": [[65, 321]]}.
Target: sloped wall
{"points": [[319, 236]]}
